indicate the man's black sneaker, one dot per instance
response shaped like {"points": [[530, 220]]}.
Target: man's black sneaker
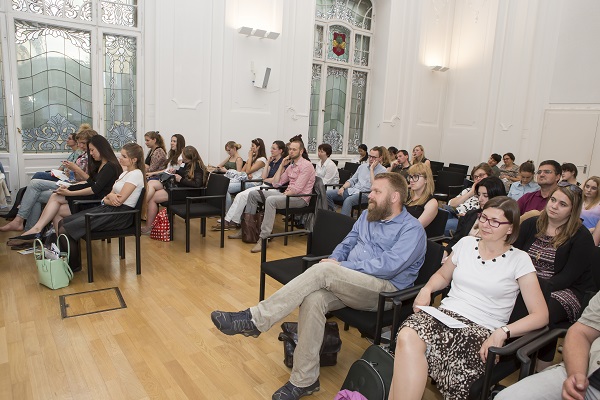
{"points": [[233, 323], [291, 392]]}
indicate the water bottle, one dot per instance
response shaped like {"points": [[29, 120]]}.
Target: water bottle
{"points": [[71, 176]]}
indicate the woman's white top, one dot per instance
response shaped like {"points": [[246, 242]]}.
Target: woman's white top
{"points": [[328, 172], [485, 293], [134, 177], [258, 173]]}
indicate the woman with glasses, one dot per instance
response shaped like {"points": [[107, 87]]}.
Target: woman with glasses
{"points": [[486, 274], [467, 199], [420, 203], [590, 212], [509, 171], [486, 189], [560, 248]]}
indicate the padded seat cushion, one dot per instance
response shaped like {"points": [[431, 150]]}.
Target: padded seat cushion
{"points": [[197, 210], [284, 270]]}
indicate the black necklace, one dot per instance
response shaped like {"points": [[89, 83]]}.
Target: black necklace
{"points": [[493, 259]]}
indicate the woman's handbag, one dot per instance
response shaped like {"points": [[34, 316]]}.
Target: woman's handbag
{"points": [[161, 228], [168, 180], [332, 344], [251, 224], [53, 273]]}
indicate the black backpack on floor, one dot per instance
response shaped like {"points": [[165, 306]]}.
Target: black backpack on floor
{"points": [[371, 375]]}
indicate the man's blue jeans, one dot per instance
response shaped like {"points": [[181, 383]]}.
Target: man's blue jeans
{"points": [[349, 200]]}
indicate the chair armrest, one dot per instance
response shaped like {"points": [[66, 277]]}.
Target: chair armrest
{"points": [[280, 234], [302, 195], [523, 354], [253, 180], [87, 201], [185, 188], [263, 251], [310, 261], [334, 185], [439, 239], [92, 215], [192, 199], [401, 296]]}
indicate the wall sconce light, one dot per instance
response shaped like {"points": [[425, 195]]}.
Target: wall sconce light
{"points": [[439, 68], [259, 33]]}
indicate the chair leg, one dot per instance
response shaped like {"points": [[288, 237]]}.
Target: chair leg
{"points": [[172, 225], [138, 255], [203, 226], [88, 249], [261, 292], [346, 326], [122, 248], [108, 240], [187, 234], [222, 232], [285, 238]]}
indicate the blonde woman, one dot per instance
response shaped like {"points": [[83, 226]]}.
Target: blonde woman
{"points": [[419, 156], [590, 212], [233, 160], [421, 203]]}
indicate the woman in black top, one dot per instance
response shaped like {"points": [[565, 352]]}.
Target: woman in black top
{"points": [[486, 189], [421, 203], [104, 169], [193, 173]]}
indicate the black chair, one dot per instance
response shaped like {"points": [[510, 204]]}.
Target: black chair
{"points": [[344, 175], [208, 205], [177, 195], [133, 230], [352, 167], [370, 324], [444, 182], [436, 167], [435, 230], [460, 167], [336, 162], [453, 169], [329, 230]]}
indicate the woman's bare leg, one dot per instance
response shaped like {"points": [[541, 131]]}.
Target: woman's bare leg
{"points": [[153, 186], [159, 197], [63, 211], [410, 367], [50, 211], [17, 224]]}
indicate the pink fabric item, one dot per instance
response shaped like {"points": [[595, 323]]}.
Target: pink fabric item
{"points": [[349, 395]]}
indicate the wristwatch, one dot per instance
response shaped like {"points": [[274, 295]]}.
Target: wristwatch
{"points": [[506, 330]]}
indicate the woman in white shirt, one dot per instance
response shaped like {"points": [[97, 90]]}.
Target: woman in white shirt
{"points": [[487, 274], [124, 196], [253, 169], [326, 169]]}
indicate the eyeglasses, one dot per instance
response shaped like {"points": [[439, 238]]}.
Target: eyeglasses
{"points": [[480, 176], [373, 157], [413, 178], [571, 186], [492, 222], [544, 171]]}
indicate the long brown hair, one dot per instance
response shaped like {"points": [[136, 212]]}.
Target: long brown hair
{"points": [[416, 160], [160, 142], [596, 199], [134, 150], [174, 154], [190, 153], [568, 229]]}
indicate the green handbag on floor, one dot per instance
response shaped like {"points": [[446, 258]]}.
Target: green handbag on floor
{"points": [[53, 273]]}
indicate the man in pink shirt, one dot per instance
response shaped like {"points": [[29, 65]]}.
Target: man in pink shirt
{"points": [[300, 177]]}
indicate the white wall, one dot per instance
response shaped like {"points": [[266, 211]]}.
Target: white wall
{"points": [[510, 62]]}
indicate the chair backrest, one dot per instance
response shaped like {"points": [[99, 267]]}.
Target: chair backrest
{"points": [[436, 166], [447, 178], [520, 309], [140, 202], [596, 267], [350, 166], [217, 185], [344, 175], [329, 231], [336, 162], [437, 226], [461, 167], [432, 262], [456, 170]]}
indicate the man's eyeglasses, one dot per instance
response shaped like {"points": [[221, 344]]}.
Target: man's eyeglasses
{"points": [[544, 171], [480, 176], [413, 178], [373, 157], [492, 222], [571, 186]]}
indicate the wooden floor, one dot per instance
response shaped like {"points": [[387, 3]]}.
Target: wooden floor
{"points": [[163, 345]]}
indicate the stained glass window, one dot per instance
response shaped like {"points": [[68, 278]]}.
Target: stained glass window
{"points": [[335, 108], [318, 46], [70, 9], [358, 13], [119, 12], [357, 110], [3, 128], [361, 50], [55, 84], [339, 43], [120, 89], [313, 122]]}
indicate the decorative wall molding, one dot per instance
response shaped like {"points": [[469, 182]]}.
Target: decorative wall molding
{"points": [[293, 114], [395, 120], [185, 106]]}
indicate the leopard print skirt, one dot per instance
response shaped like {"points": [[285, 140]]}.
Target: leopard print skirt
{"points": [[452, 354]]}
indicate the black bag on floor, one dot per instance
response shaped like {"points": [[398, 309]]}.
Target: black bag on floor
{"points": [[15, 207], [332, 344], [251, 224], [371, 375]]}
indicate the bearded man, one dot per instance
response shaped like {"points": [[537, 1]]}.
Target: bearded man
{"points": [[383, 253]]}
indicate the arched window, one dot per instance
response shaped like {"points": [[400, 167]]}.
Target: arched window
{"points": [[340, 71]]}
